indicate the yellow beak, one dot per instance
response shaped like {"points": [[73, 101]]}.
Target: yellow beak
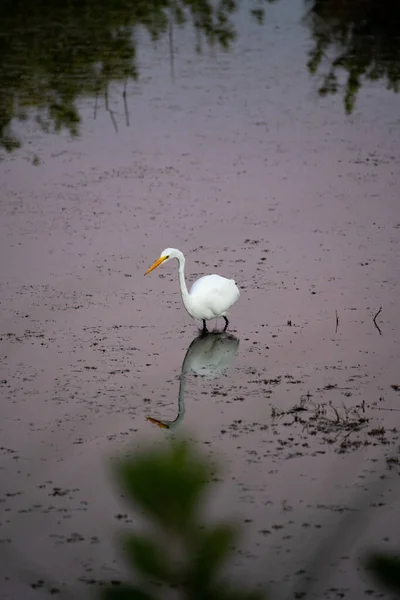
{"points": [[158, 262], [157, 422]]}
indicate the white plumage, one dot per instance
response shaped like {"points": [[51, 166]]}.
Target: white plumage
{"points": [[210, 296]]}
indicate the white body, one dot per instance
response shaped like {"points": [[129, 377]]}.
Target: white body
{"points": [[210, 297]]}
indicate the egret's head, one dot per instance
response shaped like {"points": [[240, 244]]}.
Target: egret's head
{"points": [[165, 255]]}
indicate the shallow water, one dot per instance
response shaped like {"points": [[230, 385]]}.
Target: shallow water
{"points": [[241, 165]]}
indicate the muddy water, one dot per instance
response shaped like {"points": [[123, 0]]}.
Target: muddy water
{"points": [[240, 165]]}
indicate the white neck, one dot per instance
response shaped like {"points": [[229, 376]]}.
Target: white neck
{"points": [[181, 404], [182, 282]]}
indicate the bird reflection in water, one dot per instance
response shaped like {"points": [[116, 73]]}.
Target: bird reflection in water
{"points": [[208, 355]]}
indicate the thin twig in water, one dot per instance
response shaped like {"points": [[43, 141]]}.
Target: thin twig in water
{"points": [[95, 105], [337, 321], [336, 413], [375, 323], [171, 47], [108, 109], [125, 104]]}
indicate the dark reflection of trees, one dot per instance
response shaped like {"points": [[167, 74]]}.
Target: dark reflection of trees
{"points": [[359, 37], [54, 51]]}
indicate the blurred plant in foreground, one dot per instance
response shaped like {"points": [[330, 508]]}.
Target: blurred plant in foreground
{"points": [[385, 569], [170, 484]]}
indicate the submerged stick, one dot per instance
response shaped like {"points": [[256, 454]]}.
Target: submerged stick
{"points": [[374, 319], [171, 47], [126, 104], [110, 112]]}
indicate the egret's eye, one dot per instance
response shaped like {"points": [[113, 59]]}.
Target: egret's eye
{"points": [[167, 256]]}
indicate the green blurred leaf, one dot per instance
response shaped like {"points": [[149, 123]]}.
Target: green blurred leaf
{"points": [[125, 592], [385, 568], [214, 546], [168, 483], [147, 557]]}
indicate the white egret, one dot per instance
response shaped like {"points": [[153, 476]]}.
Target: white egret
{"points": [[210, 296]]}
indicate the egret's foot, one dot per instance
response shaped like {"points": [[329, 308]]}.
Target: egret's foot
{"points": [[226, 324], [204, 330]]}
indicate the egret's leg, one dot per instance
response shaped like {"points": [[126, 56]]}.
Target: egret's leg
{"points": [[226, 324], [205, 330]]}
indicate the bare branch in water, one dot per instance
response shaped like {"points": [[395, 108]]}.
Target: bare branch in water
{"points": [[375, 323], [126, 104], [108, 109]]}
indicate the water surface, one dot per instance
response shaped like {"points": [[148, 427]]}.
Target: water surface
{"points": [[238, 162]]}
